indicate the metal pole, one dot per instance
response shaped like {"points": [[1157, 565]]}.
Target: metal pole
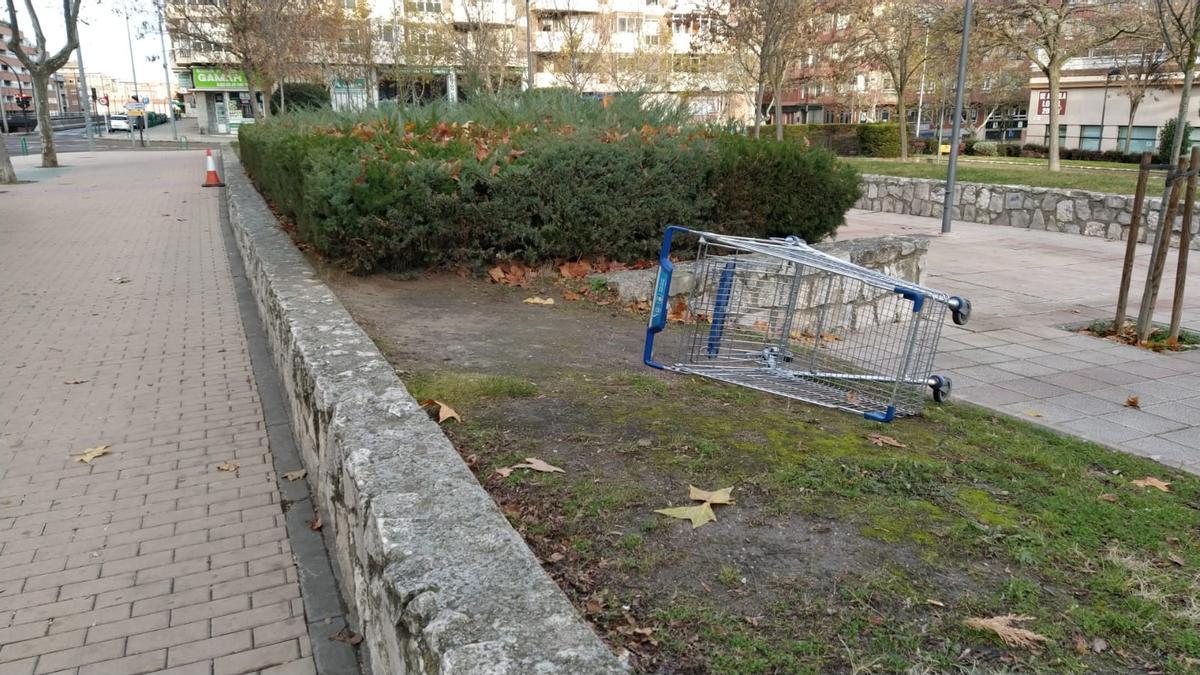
{"points": [[968, 8], [162, 41], [921, 90], [85, 100], [528, 47], [137, 96], [1103, 110]]}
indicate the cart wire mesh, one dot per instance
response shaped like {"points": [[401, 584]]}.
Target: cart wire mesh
{"points": [[782, 317]]}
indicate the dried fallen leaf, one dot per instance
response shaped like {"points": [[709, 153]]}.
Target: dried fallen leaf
{"points": [[1079, 644], [1132, 402], [530, 463], [120, 280], [1099, 645], [594, 606], [1109, 497], [74, 381], [538, 301], [315, 524], [92, 453], [228, 466], [497, 274], [571, 296], [444, 412], [722, 496], [935, 603], [1151, 481], [575, 270], [699, 514], [1175, 558], [678, 312], [1013, 636], [348, 636], [881, 440], [296, 475], [1034, 413]]}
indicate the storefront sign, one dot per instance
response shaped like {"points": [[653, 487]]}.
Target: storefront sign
{"points": [[216, 78]]}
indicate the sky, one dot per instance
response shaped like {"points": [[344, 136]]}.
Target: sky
{"points": [[102, 36]]}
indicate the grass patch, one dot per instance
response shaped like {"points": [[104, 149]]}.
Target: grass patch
{"points": [[464, 389], [1033, 174], [1158, 341], [1010, 512]]}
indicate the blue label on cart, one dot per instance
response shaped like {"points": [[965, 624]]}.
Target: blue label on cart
{"points": [[660, 296]]}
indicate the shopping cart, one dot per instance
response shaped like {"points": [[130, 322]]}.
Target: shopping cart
{"points": [[780, 316]]}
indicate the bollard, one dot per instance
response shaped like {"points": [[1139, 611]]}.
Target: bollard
{"points": [[24, 146], [183, 143]]}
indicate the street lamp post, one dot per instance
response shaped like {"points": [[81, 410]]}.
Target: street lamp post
{"points": [[528, 47], [137, 96], [162, 42], [956, 127], [1112, 72]]}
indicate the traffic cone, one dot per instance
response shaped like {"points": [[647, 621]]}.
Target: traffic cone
{"points": [[212, 179]]}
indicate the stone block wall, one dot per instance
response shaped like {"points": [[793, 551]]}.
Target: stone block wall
{"points": [[1092, 214], [436, 578]]}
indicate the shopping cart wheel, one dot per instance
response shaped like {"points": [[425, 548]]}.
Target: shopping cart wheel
{"points": [[941, 387], [960, 310]]}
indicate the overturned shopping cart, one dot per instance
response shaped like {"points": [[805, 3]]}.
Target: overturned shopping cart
{"points": [[780, 316]]}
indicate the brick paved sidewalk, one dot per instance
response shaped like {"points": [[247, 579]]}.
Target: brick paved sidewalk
{"points": [[1016, 357], [151, 558]]}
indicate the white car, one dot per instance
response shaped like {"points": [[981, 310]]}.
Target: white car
{"points": [[118, 123]]}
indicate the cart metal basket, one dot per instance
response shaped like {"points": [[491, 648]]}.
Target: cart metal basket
{"points": [[780, 316]]}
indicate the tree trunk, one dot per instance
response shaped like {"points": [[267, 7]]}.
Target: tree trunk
{"points": [[778, 110], [1052, 136], [8, 176], [1133, 106], [1158, 253], [902, 113], [45, 131], [255, 108], [759, 94]]}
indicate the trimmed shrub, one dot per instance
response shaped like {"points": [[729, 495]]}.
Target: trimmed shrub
{"points": [[1166, 138], [879, 140], [840, 139], [1010, 150], [301, 96], [985, 148], [407, 189]]}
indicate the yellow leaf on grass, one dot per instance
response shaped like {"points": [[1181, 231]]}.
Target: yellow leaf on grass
{"points": [[538, 301], [92, 453], [1151, 481], [228, 466], [699, 514], [1013, 636], [881, 440], [723, 496], [444, 412], [296, 475]]}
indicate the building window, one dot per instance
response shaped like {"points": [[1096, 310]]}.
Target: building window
{"points": [[1062, 135], [422, 5], [629, 24], [1143, 139], [1089, 137]]}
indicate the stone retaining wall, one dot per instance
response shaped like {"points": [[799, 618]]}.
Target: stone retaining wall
{"points": [[838, 305], [438, 580], [1093, 214]]}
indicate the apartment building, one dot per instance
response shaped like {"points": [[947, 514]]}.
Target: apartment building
{"points": [[411, 50], [1094, 107]]}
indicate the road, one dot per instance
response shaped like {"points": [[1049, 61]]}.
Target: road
{"points": [[73, 140]]}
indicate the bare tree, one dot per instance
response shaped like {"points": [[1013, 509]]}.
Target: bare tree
{"points": [[42, 65], [1179, 26], [894, 36], [758, 33], [646, 67], [1050, 32], [485, 45], [1140, 75], [995, 82], [579, 58]]}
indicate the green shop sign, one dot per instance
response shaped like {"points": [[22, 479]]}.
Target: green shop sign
{"points": [[217, 78]]}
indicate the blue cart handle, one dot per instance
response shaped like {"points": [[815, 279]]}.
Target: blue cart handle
{"points": [[662, 291]]}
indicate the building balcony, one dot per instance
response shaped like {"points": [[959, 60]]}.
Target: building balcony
{"points": [[555, 41], [565, 6], [496, 12]]}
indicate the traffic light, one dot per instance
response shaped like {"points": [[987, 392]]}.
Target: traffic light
{"points": [[23, 102], [93, 93]]}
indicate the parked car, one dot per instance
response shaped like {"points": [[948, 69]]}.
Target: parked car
{"points": [[118, 123]]}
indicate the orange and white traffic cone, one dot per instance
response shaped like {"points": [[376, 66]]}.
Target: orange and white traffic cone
{"points": [[212, 179]]}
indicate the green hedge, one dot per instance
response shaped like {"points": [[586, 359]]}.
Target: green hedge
{"points": [[404, 189], [301, 96], [870, 140]]}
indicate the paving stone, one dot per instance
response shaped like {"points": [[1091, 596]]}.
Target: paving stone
{"points": [[1101, 430]]}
